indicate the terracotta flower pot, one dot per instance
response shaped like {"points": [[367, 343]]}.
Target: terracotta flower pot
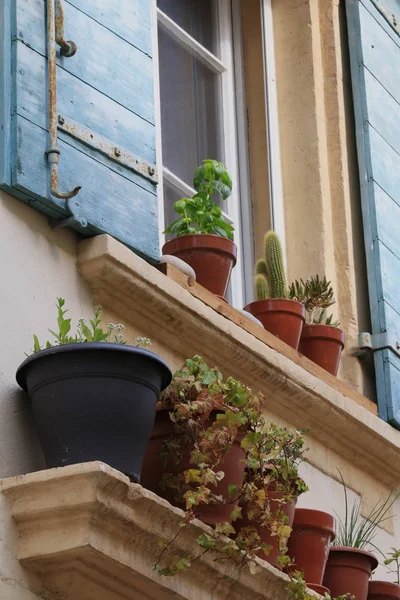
{"points": [[211, 256], [284, 318], [323, 345], [348, 571], [383, 590], [313, 532], [265, 533], [320, 589], [154, 468]]}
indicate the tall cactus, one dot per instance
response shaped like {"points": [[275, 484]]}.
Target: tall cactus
{"points": [[270, 276]]}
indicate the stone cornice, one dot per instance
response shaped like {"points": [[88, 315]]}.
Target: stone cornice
{"points": [[137, 291], [90, 533]]}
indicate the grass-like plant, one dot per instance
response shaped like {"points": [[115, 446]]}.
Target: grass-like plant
{"points": [[393, 559], [85, 332], [356, 530]]}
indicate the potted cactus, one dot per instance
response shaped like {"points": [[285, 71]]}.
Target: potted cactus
{"points": [[281, 315], [203, 239], [321, 340]]}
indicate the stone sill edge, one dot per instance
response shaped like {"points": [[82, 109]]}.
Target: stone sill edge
{"points": [[49, 538], [337, 421]]}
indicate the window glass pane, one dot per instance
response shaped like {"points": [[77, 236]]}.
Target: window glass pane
{"points": [[190, 109], [197, 17]]}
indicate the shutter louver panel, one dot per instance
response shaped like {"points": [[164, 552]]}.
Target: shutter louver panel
{"points": [[375, 66], [105, 102]]}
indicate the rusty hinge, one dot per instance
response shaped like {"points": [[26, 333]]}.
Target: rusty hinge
{"points": [[377, 341]]}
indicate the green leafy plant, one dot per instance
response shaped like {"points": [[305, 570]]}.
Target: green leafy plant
{"points": [[357, 531], [316, 293], [393, 559], [200, 214], [210, 414], [270, 275], [92, 332]]}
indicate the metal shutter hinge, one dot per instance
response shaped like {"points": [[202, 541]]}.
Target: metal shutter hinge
{"points": [[377, 341]]}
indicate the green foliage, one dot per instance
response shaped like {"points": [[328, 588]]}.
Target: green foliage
{"points": [[270, 276], [316, 293], [393, 559], [357, 531], [92, 332], [210, 413], [200, 214]]}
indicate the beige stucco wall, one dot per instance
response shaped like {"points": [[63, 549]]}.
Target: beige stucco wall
{"points": [[320, 174]]}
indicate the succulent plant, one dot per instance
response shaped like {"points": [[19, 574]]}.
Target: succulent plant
{"points": [[316, 293], [270, 276]]}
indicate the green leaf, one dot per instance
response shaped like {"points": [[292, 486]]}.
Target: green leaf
{"points": [[36, 344], [225, 528]]}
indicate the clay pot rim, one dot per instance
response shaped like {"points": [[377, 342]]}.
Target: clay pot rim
{"points": [[349, 549], [314, 519], [289, 306], [326, 332], [203, 241], [395, 587]]}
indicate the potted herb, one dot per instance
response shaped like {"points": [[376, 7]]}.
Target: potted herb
{"points": [[386, 590], [93, 397], [321, 340], [350, 564], [282, 316], [195, 456], [203, 239], [313, 532]]}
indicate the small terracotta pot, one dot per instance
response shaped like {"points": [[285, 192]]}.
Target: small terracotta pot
{"points": [[153, 469], [348, 571], [323, 345], [211, 256], [383, 590], [265, 533], [320, 589], [284, 318], [313, 532]]}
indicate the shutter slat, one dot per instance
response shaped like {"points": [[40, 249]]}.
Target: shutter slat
{"points": [[106, 91], [375, 67]]}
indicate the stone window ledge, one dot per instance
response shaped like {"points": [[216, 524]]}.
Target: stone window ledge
{"points": [[90, 533], [296, 390]]}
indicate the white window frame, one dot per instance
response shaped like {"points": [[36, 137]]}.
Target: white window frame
{"points": [[234, 129]]}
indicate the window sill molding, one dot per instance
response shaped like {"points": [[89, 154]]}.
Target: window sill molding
{"points": [[296, 390], [90, 533]]}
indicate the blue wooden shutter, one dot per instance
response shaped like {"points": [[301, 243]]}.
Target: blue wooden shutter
{"points": [[105, 100], [375, 65]]}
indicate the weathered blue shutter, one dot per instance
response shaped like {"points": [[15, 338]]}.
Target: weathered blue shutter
{"points": [[106, 107], [375, 64]]}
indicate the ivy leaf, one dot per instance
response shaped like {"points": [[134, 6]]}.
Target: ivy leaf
{"points": [[225, 528]]}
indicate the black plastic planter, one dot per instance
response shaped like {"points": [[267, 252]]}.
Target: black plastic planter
{"points": [[94, 401]]}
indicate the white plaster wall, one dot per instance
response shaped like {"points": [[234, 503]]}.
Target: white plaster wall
{"points": [[37, 264]]}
